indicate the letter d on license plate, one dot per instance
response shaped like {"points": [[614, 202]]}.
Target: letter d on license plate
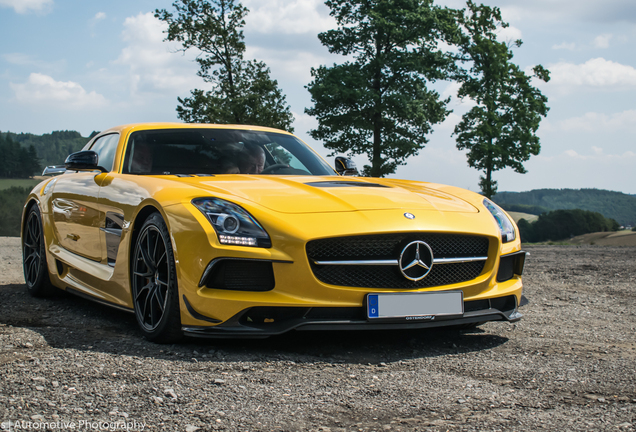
{"points": [[402, 305]]}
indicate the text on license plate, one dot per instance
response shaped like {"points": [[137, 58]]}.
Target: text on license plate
{"points": [[399, 305]]}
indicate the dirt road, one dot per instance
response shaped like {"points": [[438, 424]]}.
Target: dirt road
{"points": [[568, 365]]}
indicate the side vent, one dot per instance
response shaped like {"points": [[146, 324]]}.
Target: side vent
{"points": [[511, 265]]}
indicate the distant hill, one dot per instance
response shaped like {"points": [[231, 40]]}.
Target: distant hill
{"points": [[53, 148], [615, 205]]}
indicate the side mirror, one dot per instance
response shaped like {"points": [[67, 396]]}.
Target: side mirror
{"points": [[83, 161], [346, 167]]}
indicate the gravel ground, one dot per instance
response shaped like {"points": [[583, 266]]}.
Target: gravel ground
{"points": [[569, 364]]}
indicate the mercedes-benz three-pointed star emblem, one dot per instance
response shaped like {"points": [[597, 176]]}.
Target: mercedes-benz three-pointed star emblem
{"points": [[416, 260]]}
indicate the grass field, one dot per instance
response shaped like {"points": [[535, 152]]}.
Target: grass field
{"points": [[26, 183], [517, 216]]}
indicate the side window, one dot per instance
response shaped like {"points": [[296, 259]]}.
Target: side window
{"points": [[105, 147]]}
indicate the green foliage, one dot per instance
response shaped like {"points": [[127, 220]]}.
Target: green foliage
{"points": [[12, 200], [18, 161], [51, 149], [615, 205], [563, 224], [500, 130], [378, 103], [634, 229], [242, 91]]}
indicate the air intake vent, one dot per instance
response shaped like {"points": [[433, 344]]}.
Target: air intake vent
{"points": [[241, 275]]}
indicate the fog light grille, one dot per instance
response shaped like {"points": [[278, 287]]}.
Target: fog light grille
{"points": [[241, 275]]}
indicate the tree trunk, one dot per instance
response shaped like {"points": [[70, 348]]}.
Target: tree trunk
{"points": [[376, 160], [488, 190], [228, 65]]}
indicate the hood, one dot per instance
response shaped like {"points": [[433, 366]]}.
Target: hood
{"points": [[315, 194]]}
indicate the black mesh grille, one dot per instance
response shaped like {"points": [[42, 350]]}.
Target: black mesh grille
{"points": [[242, 275], [389, 246]]}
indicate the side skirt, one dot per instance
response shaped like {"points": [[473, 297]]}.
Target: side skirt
{"points": [[97, 300]]}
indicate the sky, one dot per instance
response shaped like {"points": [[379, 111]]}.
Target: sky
{"points": [[88, 66]]}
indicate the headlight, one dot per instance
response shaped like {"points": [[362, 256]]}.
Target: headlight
{"points": [[233, 224], [506, 226]]}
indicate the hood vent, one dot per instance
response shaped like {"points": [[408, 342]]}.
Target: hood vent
{"points": [[330, 184]]}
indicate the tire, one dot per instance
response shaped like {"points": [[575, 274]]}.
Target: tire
{"points": [[36, 272], [154, 283]]}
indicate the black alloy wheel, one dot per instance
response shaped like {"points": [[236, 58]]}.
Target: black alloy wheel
{"points": [[154, 283], [36, 273]]}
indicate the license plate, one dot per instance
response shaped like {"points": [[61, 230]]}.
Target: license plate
{"points": [[404, 305]]}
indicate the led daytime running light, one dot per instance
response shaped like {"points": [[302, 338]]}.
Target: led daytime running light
{"points": [[240, 241]]}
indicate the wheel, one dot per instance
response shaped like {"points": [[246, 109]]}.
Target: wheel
{"points": [[36, 272], [154, 283]]}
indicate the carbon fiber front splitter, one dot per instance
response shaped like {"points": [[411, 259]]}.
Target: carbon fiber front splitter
{"points": [[238, 328]]}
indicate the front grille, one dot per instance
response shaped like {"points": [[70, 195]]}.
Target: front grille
{"points": [[389, 247]]}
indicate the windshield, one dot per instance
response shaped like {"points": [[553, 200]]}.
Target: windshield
{"points": [[219, 151]]}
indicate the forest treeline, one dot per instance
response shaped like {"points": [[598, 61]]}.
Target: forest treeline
{"points": [[43, 150], [12, 200], [564, 224], [18, 161], [613, 205]]}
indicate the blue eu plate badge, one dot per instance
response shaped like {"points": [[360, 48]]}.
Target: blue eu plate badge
{"points": [[373, 306]]}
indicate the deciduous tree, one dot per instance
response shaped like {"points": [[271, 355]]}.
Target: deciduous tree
{"points": [[243, 91], [500, 130]]}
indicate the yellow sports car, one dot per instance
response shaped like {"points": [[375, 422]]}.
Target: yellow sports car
{"points": [[241, 231]]}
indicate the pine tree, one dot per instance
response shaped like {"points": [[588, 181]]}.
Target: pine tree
{"points": [[500, 130], [378, 103], [243, 91]]}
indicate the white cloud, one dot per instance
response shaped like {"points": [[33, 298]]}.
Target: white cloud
{"points": [[155, 65], [289, 65], [288, 16], [564, 11], [99, 16], [24, 6], [598, 122], [597, 154], [595, 73], [451, 90], [509, 34], [602, 41], [448, 125], [459, 106], [42, 89], [34, 63], [565, 46], [304, 122]]}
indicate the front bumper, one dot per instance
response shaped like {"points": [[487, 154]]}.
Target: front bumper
{"points": [[262, 322]]}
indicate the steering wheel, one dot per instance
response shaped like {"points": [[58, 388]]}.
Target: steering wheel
{"points": [[273, 168]]}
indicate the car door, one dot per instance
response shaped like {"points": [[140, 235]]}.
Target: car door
{"points": [[76, 217]]}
